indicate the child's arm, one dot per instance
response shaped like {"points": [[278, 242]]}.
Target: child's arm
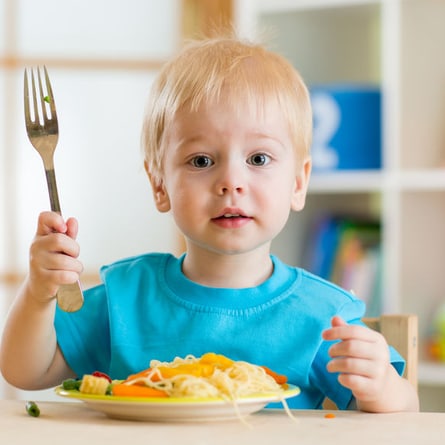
{"points": [[362, 359], [29, 355]]}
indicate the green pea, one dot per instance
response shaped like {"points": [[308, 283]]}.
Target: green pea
{"points": [[71, 384], [47, 99], [32, 409]]}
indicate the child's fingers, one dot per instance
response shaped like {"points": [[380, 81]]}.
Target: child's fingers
{"points": [[361, 386], [53, 252], [335, 332], [54, 247], [356, 342], [359, 356], [72, 228], [50, 222], [55, 235], [353, 365], [366, 381], [338, 321], [59, 243], [354, 349], [340, 330]]}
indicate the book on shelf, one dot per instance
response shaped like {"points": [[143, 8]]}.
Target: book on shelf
{"points": [[347, 251]]}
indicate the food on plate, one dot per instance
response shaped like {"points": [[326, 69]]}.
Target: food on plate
{"points": [[71, 384], [32, 409], [211, 380], [94, 385], [123, 390], [211, 375]]}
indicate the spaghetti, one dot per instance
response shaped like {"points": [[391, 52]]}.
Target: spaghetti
{"points": [[211, 375]]}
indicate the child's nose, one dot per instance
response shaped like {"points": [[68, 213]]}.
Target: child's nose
{"points": [[231, 180], [229, 189]]}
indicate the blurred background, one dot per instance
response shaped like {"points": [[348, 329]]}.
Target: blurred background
{"points": [[102, 56], [374, 217]]}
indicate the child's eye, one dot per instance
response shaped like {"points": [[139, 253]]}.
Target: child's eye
{"points": [[201, 161], [258, 159]]}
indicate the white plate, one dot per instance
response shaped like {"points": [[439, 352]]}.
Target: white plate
{"points": [[176, 409]]}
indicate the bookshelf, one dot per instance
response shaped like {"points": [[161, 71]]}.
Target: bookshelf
{"points": [[396, 44]]}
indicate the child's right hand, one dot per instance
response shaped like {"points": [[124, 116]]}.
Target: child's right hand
{"points": [[53, 256]]}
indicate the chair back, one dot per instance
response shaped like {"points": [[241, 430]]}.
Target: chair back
{"points": [[400, 331]]}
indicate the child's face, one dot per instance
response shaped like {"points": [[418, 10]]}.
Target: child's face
{"points": [[231, 178]]}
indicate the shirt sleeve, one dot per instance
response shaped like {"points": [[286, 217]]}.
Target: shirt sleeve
{"points": [[84, 336]]}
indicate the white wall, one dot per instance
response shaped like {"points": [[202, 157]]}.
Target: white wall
{"points": [[98, 161]]}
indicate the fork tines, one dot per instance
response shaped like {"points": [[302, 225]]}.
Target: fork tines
{"points": [[32, 115]]}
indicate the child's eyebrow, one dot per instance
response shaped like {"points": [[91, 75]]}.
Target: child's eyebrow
{"points": [[260, 135], [185, 143], [191, 139], [253, 136]]}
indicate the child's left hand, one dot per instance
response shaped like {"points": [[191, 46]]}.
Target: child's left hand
{"points": [[361, 357]]}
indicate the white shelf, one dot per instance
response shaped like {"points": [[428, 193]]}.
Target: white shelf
{"points": [[396, 44], [359, 181], [431, 374], [419, 180], [292, 5], [348, 181]]}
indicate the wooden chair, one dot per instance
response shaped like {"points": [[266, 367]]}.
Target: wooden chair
{"points": [[400, 331]]}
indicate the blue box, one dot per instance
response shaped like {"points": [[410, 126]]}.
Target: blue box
{"points": [[347, 127]]}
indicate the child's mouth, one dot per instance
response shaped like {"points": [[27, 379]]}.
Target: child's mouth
{"points": [[232, 215], [231, 220]]}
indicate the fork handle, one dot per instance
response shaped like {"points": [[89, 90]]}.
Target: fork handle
{"points": [[52, 190], [69, 296]]}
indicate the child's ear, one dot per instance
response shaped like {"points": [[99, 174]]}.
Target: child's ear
{"points": [[160, 195], [301, 185]]}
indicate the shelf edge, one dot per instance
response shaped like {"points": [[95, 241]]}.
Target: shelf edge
{"points": [[431, 374]]}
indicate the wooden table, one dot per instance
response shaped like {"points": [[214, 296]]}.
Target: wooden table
{"points": [[74, 423]]}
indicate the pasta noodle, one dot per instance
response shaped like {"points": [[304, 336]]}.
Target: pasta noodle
{"points": [[211, 375]]}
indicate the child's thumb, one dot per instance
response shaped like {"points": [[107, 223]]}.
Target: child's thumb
{"points": [[337, 321]]}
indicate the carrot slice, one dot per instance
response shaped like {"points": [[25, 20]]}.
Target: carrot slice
{"points": [[136, 391], [195, 369], [140, 374], [279, 378], [218, 360]]}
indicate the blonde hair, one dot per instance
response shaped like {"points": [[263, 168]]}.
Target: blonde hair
{"points": [[229, 69]]}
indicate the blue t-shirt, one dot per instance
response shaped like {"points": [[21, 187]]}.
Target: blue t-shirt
{"points": [[148, 309]]}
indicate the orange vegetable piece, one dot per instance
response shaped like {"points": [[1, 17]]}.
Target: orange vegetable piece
{"points": [[167, 372], [279, 378], [123, 390], [140, 374], [195, 369], [329, 416], [219, 360]]}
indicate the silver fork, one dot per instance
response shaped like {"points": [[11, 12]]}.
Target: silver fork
{"points": [[43, 132]]}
